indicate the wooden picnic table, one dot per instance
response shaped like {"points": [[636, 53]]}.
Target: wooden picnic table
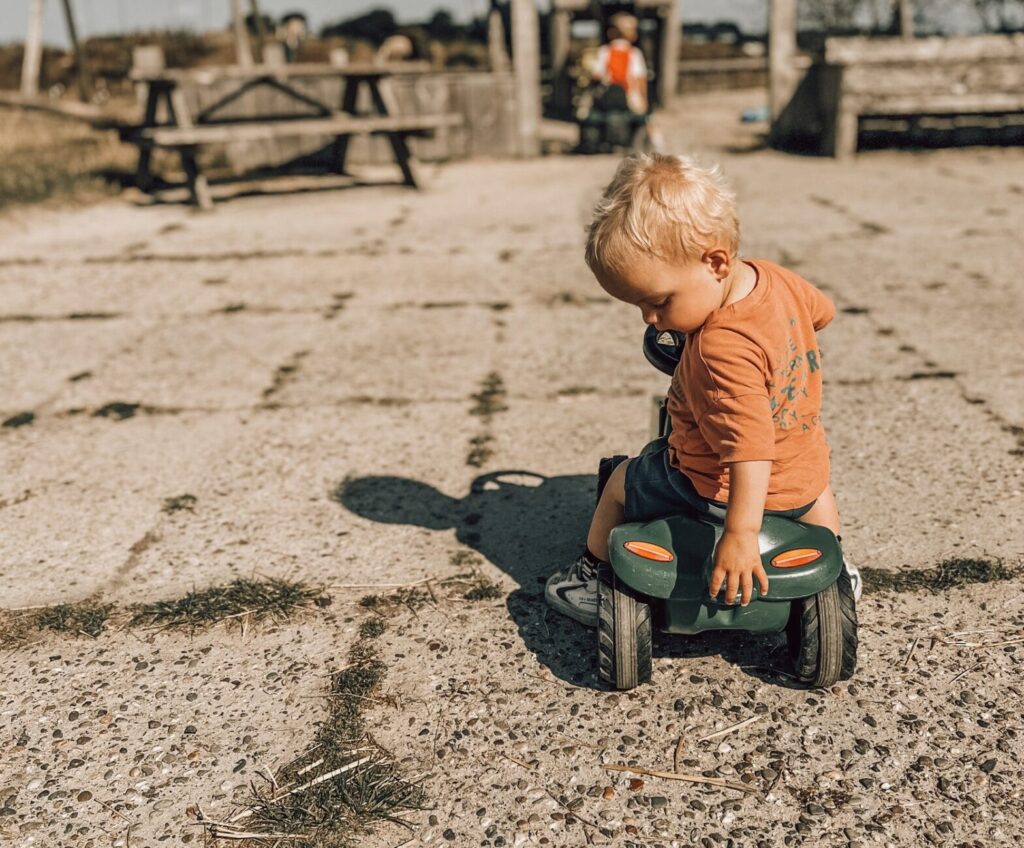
{"points": [[186, 130]]}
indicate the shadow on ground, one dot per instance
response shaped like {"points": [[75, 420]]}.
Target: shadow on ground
{"points": [[528, 525]]}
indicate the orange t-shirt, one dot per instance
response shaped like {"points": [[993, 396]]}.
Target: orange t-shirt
{"points": [[748, 387]]}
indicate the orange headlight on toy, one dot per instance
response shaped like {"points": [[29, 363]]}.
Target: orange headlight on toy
{"points": [[795, 557], [648, 550]]}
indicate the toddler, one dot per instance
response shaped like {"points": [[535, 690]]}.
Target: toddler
{"points": [[745, 401]]}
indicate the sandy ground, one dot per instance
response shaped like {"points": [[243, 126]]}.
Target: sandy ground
{"points": [[305, 366]]}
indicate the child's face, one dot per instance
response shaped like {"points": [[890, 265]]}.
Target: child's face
{"points": [[671, 296]]}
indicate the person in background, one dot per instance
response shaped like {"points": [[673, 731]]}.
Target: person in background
{"points": [[291, 32], [620, 63]]}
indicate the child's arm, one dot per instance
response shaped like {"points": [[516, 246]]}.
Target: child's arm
{"points": [[738, 554]]}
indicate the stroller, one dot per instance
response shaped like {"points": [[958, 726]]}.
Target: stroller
{"points": [[608, 125]]}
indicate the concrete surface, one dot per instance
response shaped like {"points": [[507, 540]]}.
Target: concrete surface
{"points": [[282, 346]]}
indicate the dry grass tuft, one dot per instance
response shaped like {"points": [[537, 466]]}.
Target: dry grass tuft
{"points": [[87, 617], [46, 157], [256, 599], [948, 574], [180, 503], [247, 600], [411, 597], [345, 782], [491, 397]]}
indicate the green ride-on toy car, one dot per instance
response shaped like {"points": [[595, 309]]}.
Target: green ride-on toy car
{"points": [[660, 571]]}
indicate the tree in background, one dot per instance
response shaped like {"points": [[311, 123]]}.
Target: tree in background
{"points": [[252, 25], [1000, 15], [374, 26], [938, 16], [442, 26]]}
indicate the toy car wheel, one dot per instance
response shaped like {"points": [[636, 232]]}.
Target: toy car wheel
{"points": [[623, 633], [822, 634]]}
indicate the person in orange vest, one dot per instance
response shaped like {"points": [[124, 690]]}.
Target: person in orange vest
{"points": [[620, 62]]}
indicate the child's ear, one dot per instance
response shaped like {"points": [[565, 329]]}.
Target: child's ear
{"points": [[719, 261]]}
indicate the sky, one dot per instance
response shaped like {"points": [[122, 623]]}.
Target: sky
{"points": [[95, 17]]}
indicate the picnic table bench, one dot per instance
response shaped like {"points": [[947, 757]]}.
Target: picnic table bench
{"points": [[965, 75], [185, 130]]}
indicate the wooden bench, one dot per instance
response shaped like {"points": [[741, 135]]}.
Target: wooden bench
{"points": [[968, 75], [180, 130]]}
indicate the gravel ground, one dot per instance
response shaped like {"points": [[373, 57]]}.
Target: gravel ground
{"points": [[310, 369]]}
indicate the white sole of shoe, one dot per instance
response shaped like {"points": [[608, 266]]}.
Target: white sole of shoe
{"points": [[567, 609]]}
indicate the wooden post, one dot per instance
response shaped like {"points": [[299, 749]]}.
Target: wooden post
{"points": [[782, 75], [496, 49], [81, 71], [243, 50], [261, 30], [526, 65], [905, 9], [33, 50], [560, 21], [668, 70]]}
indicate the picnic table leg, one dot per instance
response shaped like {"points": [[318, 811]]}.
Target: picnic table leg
{"points": [[846, 132], [399, 145], [197, 183], [348, 104], [196, 180], [143, 174]]}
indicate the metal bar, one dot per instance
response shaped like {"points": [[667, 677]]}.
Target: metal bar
{"points": [[403, 156], [205, 113], [81, 71], [308, 99]]}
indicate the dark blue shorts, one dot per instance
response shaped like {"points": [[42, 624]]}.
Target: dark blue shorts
{"points": [[655, 488]]}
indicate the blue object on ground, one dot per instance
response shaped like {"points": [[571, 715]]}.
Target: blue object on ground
{"points": [[753, 116]]}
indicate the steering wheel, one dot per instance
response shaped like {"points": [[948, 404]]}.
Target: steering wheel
{"points": [[663, 348]]}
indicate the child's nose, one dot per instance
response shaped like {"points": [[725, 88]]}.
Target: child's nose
{"points": [[650, 317]]}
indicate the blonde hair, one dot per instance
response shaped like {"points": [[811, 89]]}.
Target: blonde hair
{"points": [[668, 207], [624, 24]]}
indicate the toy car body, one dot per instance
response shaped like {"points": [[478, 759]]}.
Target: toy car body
{"points": [[660, 571]]}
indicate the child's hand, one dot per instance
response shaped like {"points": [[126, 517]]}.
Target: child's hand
{"points": [[737, 562]]}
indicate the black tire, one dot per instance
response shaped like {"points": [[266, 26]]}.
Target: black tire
{"points": [[623, 633], [822, 635]]}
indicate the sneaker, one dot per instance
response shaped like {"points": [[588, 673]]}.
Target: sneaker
{"points": [[856, 581], [573, 592]]}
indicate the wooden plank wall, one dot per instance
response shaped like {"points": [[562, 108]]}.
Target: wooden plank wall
{"points": [[927, 76], [717, 74], [971, 74], [484, 100]]}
